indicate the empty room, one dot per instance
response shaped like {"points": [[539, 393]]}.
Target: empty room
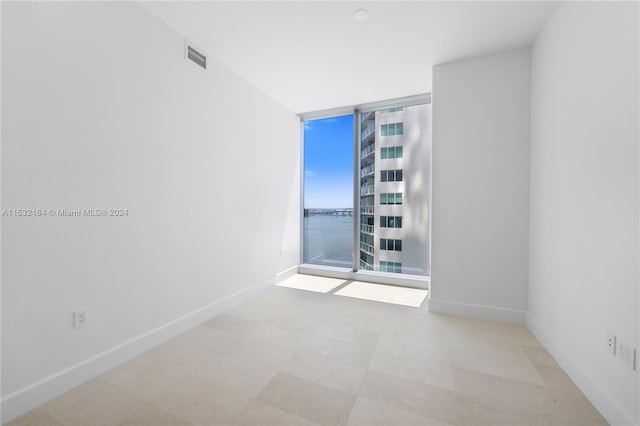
{"points": [[320, 213]]}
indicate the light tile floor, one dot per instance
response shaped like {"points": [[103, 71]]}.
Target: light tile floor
{"points": [[294, 357]]}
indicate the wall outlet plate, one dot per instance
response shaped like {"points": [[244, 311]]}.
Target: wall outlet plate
{"points": [[627, 354], [80, 318]]}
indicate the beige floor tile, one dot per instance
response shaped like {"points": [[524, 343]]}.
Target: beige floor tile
{"points": [[426, 400], [326, 372], [154, 416], [348, 334], [474, 411], [540, 356], [230, 324], [314, 311], [431, 349], [281, 336], [260, 352], [247, 377], [548, 405], [518, 334], [431, 330], [559, 406], [335, 350], [516, 417], [37, 417], [312, 401], [369, 413], [202, 402], [556, 378], [176, 355], [261, 414], [491, 331], [95, 403], [493, 388], [255, 310], [414, 368], [288, 357], [302, 322], [359, 321], [361, 308], [409, 315], [497, 357], [142, 378], [208, 338]]}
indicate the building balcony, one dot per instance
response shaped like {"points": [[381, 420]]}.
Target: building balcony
{"points": [[367, 210], [368, 131], [366, 116], [366, 228], [367, 151], [367, 190], [367, 248], [365, 266], [368, 170]]}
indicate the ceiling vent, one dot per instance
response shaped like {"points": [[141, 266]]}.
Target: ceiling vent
{"points": [[195, 55]]}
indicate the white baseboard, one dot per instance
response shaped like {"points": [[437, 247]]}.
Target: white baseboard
{"points": [[598, 397], [287, 273], [489, 313], [36, 394]]}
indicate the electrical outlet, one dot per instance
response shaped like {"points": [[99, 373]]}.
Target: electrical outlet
{"points": [[611, 343], [626, 353], [80, 318]]}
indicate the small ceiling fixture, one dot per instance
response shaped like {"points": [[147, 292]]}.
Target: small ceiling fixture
{"points": [[360, 14]]}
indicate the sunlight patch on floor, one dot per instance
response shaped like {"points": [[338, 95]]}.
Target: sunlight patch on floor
{"points": [[384, 293], [311, 283]]}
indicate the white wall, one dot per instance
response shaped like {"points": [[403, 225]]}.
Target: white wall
{"points": [[480, 186], [101, 110], [584, 197]]}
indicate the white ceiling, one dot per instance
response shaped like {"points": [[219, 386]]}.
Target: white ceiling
{"points": [[313, 55]]}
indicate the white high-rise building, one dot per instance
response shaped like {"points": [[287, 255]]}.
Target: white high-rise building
{"points": [[395, 174]]}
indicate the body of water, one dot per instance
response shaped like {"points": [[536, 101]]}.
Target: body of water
{"points": [[328, 240]]}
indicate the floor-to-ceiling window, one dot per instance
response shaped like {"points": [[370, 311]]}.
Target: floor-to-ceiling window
{"points": [[392, 175], [328, 191]]}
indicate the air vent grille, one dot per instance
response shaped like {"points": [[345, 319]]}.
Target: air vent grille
{"points": [[197, 57]]}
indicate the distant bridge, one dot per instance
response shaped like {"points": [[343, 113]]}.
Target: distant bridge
{"points": [[328, 212]]}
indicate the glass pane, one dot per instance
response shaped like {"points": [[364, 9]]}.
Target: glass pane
{"points": [[402, 221], [328, 192]]}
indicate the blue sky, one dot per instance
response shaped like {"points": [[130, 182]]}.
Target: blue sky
{"points": [[328, 163]]}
